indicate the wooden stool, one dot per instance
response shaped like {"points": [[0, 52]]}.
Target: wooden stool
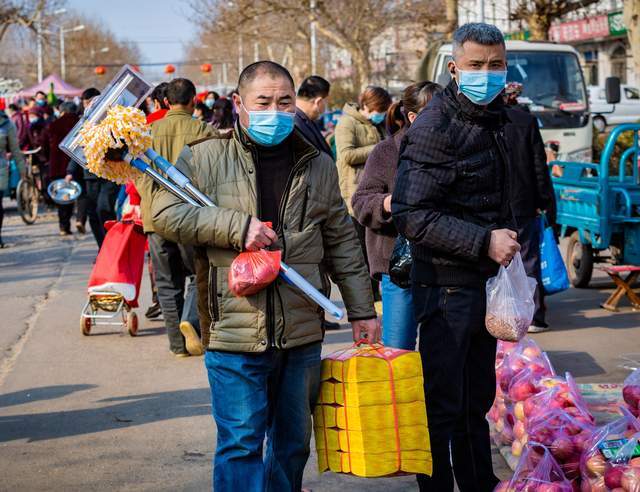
{"points": [[623, 286]]}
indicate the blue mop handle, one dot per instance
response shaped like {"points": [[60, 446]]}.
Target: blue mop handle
{"points": [[286, 272]]}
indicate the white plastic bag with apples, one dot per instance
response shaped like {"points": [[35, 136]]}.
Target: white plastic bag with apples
{"points": [[510, 304]]}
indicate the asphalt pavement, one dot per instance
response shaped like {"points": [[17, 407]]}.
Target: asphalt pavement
{"points": [[113, 412]]}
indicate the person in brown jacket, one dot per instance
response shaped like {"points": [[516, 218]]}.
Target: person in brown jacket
{"points": [[264, 351], [359, 129], [173, 262], [372, 208]]}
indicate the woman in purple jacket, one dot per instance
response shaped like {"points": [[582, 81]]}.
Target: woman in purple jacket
{"points": [[372, 207]]}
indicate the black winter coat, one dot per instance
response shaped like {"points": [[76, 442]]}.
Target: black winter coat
{"points": [[451, 189], [530, 185]]}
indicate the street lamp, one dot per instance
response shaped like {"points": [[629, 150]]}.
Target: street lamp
{"points": [[38, 25], [63, 31], [101, 50]]}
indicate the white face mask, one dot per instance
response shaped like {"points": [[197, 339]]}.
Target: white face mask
{"points": [[33, 119]]}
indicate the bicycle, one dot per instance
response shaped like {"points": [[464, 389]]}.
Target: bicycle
{"points": [[29, 189]]}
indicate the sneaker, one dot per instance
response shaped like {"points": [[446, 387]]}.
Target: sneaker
{"points": [[65, 232], [80, 228], [179, 355], [538, 329], [154, 311], [191, 339]]}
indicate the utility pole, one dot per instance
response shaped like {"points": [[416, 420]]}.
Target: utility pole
{"points": [[481, 10], [508, 15], [224, 73], [39, 44], [240, 55], [63, 31], [312, 30]]}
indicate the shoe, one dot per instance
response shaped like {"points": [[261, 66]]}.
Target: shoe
{"points": [[331, 325], [154, 311], [179, 355], [80, 228], [538, 329], [65, 232], [191, 339]]}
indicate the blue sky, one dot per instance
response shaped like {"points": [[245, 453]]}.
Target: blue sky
{"points": [[159, 27]]}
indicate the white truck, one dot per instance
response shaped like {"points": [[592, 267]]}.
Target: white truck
{"points": [[553, 89]]}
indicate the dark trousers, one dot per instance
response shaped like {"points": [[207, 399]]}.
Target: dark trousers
{"points": [[458, 358], [65, 212], [81, 203], [529, 239], [1, 214], [360, 231], [100, 205], [173, 266]]}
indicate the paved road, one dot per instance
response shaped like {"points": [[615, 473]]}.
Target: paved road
{"points": [[111, 412]]}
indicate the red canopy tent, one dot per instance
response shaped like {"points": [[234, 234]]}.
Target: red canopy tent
{"points": [[60, 88]]}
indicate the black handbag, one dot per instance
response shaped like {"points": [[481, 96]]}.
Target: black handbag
{"points": [[400, 263]]}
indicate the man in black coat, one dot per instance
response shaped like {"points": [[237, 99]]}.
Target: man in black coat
{"points": [[451, 201]]}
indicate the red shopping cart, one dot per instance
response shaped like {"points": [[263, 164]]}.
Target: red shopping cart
{"points": [[114, 283]]}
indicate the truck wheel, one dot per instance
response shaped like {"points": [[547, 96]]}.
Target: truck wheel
{"points": [[579, 261], [599, 123]]}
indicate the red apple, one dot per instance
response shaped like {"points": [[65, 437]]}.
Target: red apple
{"points": [[635, 462], [631, 395], [631, 479], [516, 448], [518, 411], [532, 352], [561, 448], [613, 477], [581, 441], [522, 390]]}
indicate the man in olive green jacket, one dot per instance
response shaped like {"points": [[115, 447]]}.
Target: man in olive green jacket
{"points": [[264, 351], [173, 262]]}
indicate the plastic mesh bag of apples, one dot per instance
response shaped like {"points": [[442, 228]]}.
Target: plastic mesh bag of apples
{"points": [[537, 471], [631, 392], [566, 437], [510, 304], [609, 461]]}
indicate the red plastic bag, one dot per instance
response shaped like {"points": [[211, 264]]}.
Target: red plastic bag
{"points": [[593, 464], [252, 271], [537, 471]]}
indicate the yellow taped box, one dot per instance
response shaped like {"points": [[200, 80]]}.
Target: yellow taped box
{"points": [[414, 437], [375, 464], [372, 393], [377, 394]]}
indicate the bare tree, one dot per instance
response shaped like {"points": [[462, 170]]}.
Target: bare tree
{"points": [[348, 24], [540, 14], [632, 22]]}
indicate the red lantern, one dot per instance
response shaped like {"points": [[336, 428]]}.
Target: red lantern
{"points": [[169, 68], [100, 70], [135, 68], [205, 67]]}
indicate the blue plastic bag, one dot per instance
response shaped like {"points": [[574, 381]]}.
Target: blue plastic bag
{"points": [[553, 271], [14, 175]]}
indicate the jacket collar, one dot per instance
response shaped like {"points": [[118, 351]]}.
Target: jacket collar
{"points": [[353, 110], [491, 115], [178, 113]]}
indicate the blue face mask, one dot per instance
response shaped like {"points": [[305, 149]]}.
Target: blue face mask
{"points": [[269, 128], [376, 118], [209, 103], [41, 102], [481, 86]]}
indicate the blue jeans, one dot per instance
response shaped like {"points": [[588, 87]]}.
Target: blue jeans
{"points": [[399, 327], [253, 395]]}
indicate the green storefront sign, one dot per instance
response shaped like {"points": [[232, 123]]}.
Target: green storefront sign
{"points": [[518, 35], [616, 24]]}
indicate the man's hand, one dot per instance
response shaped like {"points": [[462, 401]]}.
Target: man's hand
{"points": [[258, 236], [386, 205], [68, 178], [366, 328], [503, 246]]}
